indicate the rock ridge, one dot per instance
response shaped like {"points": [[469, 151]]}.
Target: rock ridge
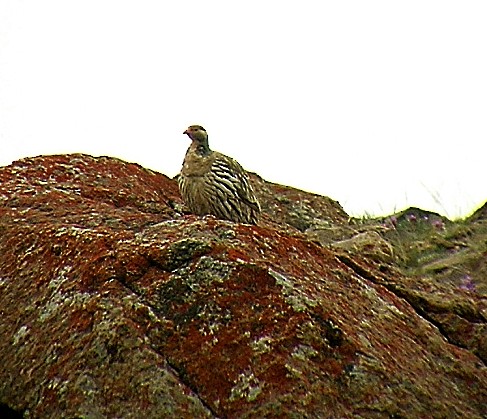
{"points": [[114, 301]]}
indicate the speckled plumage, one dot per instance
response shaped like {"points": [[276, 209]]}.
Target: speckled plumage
{"points": [[212, 183]]}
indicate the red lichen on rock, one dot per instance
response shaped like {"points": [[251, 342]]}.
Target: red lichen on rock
{"points": [[116, 304]]}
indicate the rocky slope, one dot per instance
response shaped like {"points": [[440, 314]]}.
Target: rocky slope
{"points": [[114, 302]]}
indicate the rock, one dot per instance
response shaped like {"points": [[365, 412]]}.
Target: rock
{"points": [[369, 244], [114, 303], [285, 206], [445, 273]]}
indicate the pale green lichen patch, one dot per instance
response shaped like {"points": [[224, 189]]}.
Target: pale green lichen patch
{"points": [[261, 345], [20, 335], [247, 387], [304, 352], [297, 299]]}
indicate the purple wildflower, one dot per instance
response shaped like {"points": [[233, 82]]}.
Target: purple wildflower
{"points": [[438, 224], [467, 284]]}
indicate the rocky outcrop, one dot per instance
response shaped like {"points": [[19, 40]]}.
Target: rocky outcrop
{"points": [[115, 302]]}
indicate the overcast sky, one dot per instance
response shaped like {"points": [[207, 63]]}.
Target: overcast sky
{"points": [[377, 104]]}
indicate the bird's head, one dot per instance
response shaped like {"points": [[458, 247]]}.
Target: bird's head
{"points": [[197, 133]]}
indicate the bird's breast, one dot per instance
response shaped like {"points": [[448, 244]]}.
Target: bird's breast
{"points": [[196, 165]]}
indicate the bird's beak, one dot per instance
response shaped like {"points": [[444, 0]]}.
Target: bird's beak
{"points": [[186, 132]]}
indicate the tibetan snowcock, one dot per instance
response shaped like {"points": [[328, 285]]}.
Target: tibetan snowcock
{"points": [[212, 183]]}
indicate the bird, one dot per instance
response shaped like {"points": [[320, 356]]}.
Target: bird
{"points": [[213, 183]]}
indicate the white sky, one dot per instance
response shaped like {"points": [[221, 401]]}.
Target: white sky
{"points": [[377, 104]]}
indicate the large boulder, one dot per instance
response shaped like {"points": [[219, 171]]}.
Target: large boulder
{"points": [[115, 303]]}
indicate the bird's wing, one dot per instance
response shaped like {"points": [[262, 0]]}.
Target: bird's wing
{"points": [[230, 170]]}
